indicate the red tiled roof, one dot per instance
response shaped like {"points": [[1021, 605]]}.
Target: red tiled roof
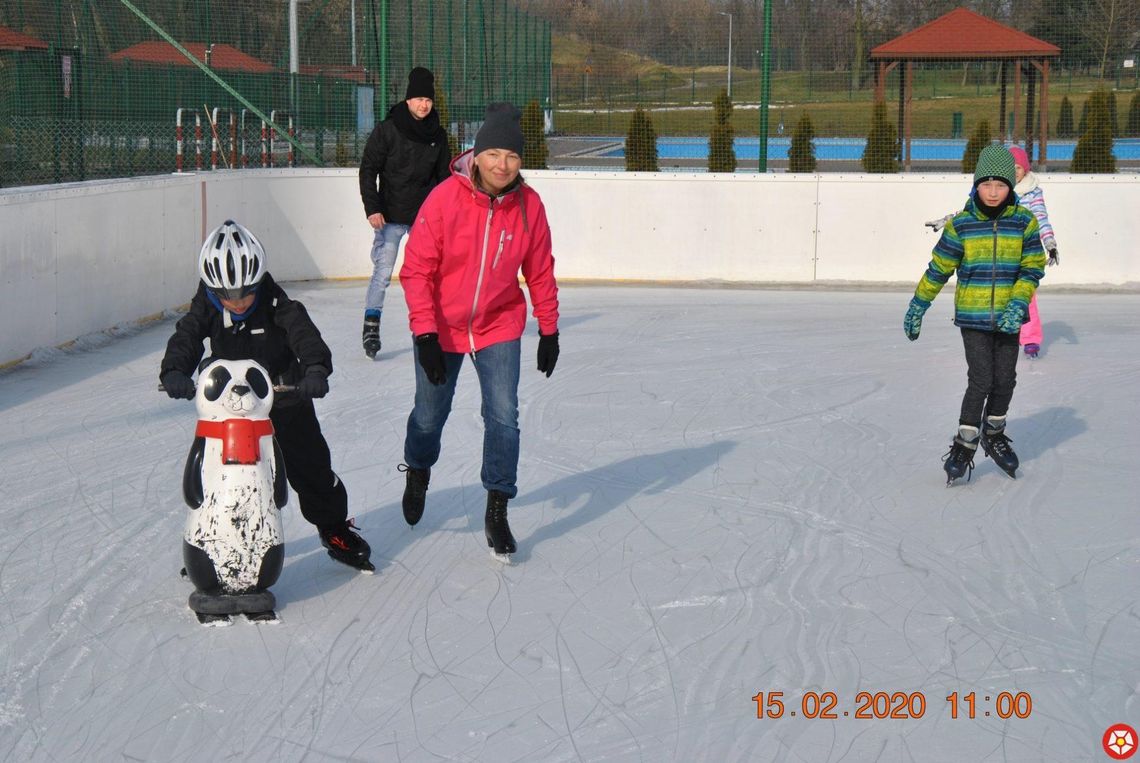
{"points": [[963, 34], [337, 71], [222, 57], [10, 39]]}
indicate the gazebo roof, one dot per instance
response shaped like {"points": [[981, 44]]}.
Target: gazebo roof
{"points": [[10, 39], [964, 35], [222, 57]]}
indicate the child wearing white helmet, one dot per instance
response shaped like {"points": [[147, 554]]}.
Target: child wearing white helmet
{"points": [[246, 315]]}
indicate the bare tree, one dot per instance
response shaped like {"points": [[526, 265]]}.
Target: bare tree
{"points": [[1108, 25], [860, 47]]}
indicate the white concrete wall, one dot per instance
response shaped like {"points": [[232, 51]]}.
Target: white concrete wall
{"points": [[84, 257], [79, 258]]}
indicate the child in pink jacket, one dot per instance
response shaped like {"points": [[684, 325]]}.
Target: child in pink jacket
{"points": [[1030, 195], [472, 237]]}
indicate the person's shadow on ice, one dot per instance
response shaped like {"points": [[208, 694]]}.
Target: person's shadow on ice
{"points": [[598, 491]]}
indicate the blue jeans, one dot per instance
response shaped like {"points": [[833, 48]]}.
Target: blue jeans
{"points": [[385, 246], [498, 370]]}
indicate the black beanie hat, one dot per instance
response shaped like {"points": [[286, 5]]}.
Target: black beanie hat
{"points": [[421, 84], [501, 129]]}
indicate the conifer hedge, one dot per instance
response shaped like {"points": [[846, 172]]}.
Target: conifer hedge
{"points": [[722, 151], [881, 152], [979, 140], [1093, 153], [641, 143], [801, 152], [535, 151]]}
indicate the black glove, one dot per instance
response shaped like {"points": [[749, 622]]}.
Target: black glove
{"points": [[177, 385], [315, 382], [1054, 257], [547, 353], [430, 355]]}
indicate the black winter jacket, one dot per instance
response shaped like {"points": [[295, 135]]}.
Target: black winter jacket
{"points": [[278, 334], [408, 159]]}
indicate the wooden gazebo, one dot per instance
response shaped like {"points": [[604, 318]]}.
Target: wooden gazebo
{"points": [[962, 35]]}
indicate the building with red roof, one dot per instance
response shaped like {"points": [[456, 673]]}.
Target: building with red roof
{"points": [[962, 35], [220, 56], [10, 39]]}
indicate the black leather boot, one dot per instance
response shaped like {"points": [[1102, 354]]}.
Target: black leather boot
{"points": [[961, 455], [498, 531], [415, 492], [997, 445]]}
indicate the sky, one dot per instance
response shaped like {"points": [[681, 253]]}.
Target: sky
{"points": [[723, 494]]}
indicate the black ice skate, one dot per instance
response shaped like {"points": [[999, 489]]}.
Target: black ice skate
{"points": [[960, 459], [346, 547], [996, 445], [415, 493], [498, 532], [371, 336]]}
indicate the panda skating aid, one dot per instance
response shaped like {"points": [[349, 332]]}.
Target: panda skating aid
{"points": [[234, 484]]}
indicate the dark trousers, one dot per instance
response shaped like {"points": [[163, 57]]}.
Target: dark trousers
{"points": [[991, 362], [308, 465]]}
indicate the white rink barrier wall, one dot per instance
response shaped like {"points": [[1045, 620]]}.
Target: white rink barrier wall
{"points": [[85, 257]]}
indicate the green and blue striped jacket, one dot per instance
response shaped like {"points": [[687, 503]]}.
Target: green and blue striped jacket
{"points": [[996, 260]]}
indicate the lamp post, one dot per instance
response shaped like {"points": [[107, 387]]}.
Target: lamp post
{"points": [[294, 58], [726, 13], [765, 84]]}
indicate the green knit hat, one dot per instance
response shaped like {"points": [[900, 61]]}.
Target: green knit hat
{"points": [[995, 161]]}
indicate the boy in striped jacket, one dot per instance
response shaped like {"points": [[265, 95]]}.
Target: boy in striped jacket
{"points": [[994, 247]]}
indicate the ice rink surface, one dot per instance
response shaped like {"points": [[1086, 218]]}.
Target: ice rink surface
{"points": [[722, 493]]}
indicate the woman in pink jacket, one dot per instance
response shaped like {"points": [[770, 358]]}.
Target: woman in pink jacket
{"points": [[473, 235]]}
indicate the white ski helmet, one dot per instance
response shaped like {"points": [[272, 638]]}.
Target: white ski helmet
{"points": [[232, 261]]}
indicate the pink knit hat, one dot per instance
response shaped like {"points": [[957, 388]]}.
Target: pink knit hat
{"points": [[1020, 158]]}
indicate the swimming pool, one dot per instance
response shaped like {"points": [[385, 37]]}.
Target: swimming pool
{"points": [[851, 149]]}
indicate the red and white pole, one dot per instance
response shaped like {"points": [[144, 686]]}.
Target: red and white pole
{"points": [[178, 140], [197, 140], [233, 141], [291, 157], [214, 139]]}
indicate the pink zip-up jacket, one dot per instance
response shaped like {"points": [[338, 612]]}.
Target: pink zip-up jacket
{"points": [[463, 257]]}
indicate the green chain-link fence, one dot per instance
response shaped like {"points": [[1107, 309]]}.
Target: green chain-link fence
{"points": [[89, 89], [94, 89]]}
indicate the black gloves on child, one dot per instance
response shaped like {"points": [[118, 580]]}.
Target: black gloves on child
{"points": [[178, 385], [547, 353], [430, 355], [315, 383]]}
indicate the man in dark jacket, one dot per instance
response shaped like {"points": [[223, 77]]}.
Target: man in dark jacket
{"points": [[247, 316], [405, 157]]}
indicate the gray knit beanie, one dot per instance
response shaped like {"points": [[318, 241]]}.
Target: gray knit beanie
{"points": [[501, 129], [996, 162]]}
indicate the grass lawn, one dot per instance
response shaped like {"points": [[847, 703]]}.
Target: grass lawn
{"points": [[930, 118], [680, 100]]}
